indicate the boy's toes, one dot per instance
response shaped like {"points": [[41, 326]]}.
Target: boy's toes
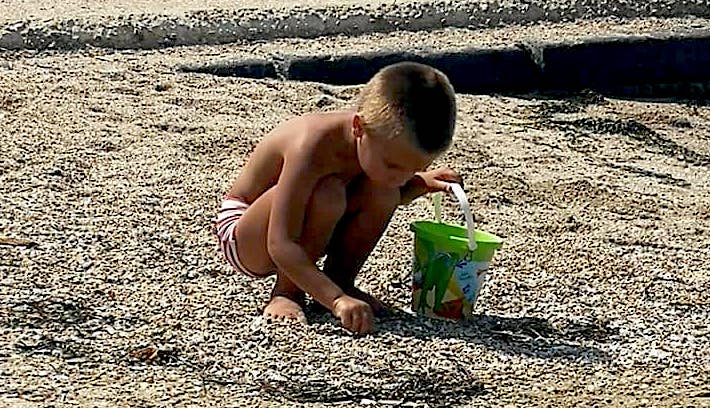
{"points": [[284, 309], [300, 317]]}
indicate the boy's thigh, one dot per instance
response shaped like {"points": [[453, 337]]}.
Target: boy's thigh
{"points": [[325, 208], [251, 236]]}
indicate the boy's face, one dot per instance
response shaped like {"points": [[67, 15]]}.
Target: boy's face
{"points": [[390, 162]]}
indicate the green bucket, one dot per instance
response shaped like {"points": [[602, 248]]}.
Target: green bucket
{"points": [[450, 263]]}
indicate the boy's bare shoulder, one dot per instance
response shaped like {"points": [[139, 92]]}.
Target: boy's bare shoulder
{"points": [[318, 135]]}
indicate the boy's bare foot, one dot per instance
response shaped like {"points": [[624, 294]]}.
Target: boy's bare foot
{"points": [[283, 308]]}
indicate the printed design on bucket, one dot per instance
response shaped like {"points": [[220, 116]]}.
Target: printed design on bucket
{"points": [[450, 263], [434, 270], [445, 283], [469, 276]]}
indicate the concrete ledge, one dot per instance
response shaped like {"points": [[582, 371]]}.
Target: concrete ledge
{"points": [[473, 70], [227, 26], [244, 69], [673, 63], [617, 62]]}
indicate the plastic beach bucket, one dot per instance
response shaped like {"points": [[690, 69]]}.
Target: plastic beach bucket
{"points": [[450, 263]]}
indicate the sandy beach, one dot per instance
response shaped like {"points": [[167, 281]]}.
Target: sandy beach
{"points": [[112, 292]]}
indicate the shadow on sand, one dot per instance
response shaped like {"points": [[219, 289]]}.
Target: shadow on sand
{"points": [[444, 387], [529, 336]]}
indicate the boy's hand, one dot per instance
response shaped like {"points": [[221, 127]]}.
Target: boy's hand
{"points": [[429, 182], [379, 309], [355, 315], [439, 179]]}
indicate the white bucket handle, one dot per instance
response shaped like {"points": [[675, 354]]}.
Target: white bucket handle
{"points": [[460, 195]]}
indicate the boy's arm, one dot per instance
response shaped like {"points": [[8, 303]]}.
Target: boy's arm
{"points": [[288, 208]]}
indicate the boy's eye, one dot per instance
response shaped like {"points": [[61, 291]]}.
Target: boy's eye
{"points": [[392, 166]]}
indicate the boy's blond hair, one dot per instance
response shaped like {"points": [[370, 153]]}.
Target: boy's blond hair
{"points": [[413, 100]]}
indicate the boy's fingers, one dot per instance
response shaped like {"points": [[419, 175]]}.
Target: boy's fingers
{"points": [[449, 176], [443, 186], [454, 177], [301, 317], [346, 321], [356, 323], [367, 323]]}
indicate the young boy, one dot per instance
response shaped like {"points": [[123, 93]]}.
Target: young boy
{"points": [[328, 184]]}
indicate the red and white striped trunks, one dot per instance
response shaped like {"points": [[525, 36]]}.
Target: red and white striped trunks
{"points": [[228, 216]]}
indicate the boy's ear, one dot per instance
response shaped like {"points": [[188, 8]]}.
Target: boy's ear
{"points": [[357, 126]]}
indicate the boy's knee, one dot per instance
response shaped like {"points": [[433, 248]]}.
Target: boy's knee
{"points": [[374, 198], [387, 199]]}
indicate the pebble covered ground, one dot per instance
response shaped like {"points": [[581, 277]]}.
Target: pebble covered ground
{"points": [[112, 292]]}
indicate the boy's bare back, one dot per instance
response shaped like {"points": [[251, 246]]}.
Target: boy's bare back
{"points": [[315, 141]]}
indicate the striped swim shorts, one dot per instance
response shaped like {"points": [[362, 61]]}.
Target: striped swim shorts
{"points": [[225, 229]]}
